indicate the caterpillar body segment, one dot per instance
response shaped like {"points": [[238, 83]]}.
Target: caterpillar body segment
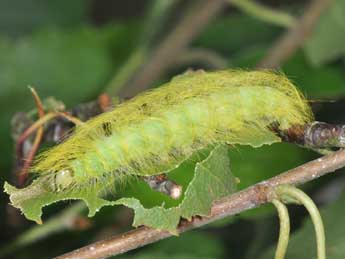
{"points": [[157, 130]]}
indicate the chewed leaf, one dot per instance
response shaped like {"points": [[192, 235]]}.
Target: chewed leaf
{"points": [[32, 199], [212, 180], [156, 217]]}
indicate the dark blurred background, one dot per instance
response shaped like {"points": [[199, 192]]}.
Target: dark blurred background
{"points": [[76, 50]]}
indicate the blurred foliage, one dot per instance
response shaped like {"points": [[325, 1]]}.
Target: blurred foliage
{"points": [[226, 34], [44, 57], [55, 46], [313, 85], [22, 17], [327, 42]]}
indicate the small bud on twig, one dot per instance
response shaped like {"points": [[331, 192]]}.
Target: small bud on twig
{"points": [[162, 184]]}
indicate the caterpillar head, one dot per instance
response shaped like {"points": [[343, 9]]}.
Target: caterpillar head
{"points": [[62, 179]]}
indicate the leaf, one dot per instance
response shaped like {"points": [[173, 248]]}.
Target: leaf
{"points": [[302, 243], [19, 17], [59, 63], [315, 82], [327, 41], [198, 202], [212, 180], [32, 199], [157, 217]]}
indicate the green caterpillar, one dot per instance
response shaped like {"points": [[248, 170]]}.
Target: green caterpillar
{"points": [[157, 130]]}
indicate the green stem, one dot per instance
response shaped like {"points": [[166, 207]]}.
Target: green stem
{"points": [[264, 13], [292, 192], [284, 231]]}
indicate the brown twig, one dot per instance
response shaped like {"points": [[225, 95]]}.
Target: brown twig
{"points": [[44, 119], [28, 159], [246, 199], [294, 38]]}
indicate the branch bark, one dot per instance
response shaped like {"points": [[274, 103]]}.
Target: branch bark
{"points": [[246, 199]]}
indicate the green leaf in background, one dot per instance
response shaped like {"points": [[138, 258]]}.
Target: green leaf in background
{"points": [[18, 17], [302, 243], [59, 63], [316, 83], [327, 41], [326, 82]]}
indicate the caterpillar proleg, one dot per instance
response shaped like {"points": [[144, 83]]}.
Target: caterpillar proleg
{"points": [[157, 130]]}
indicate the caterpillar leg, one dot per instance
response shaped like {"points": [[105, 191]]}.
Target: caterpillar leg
{"points": [[162, 184]]}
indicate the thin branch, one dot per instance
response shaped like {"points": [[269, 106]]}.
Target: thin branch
{"points": [[246, 199], [39, 135], [294, 38]]}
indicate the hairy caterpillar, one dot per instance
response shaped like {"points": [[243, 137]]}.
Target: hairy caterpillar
{"points": [[155, 131]]}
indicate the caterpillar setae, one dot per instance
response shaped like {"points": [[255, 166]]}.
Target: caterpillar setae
{"points": [[157, 130]]}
